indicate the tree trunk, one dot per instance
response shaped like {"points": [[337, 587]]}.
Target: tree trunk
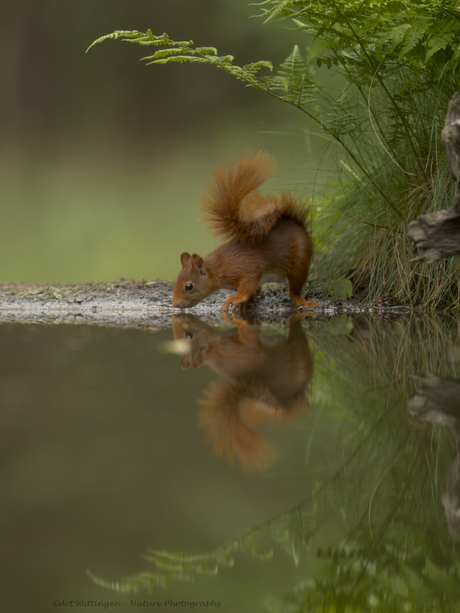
{"points": [[437, 235]]}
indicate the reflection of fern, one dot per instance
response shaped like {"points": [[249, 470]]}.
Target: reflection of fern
{"points": [[292, 531], [346, 580], [397, 550], [146, 580]]}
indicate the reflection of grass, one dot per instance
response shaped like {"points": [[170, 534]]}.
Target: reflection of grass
{"points": [[383, 488]]}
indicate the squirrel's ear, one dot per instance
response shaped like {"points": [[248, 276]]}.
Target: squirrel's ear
{"points": [[198, 264], [184, 258]]}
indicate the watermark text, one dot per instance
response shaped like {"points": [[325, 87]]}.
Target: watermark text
{"points": [[159, 604]]}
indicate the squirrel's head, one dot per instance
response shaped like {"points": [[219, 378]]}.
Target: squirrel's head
{"points": [[193, 283]]}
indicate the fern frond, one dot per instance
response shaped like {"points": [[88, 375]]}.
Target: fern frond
{"points": [[141, 38], [294, 64], [319, 47], [184, 51], [397, 35], [162, 53], [177, 59], [256, 66], [206, 50], [411, 39], [127, 34], [435, 44], [276, 11], [293, 79], [277, 83], [156, 41]]}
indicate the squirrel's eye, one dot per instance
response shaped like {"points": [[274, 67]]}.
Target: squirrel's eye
{"points": [[188, 287], [189, 335]]}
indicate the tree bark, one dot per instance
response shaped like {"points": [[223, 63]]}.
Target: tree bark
{"points": [[437, 235]]}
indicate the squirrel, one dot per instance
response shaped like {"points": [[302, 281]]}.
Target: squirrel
{"points": [[268, 239], [263, 379]]}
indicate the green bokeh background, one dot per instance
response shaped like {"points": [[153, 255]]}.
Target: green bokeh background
{"points": [[103, 159]]}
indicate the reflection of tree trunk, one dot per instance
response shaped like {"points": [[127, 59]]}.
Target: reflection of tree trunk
{"points": [[437, 235], [439, 402], [451, 497]]}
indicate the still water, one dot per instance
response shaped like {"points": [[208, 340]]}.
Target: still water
{"points": [[308, 465]]}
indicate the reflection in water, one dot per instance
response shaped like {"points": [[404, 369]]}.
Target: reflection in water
{"points": [[103, 459], [438, 401], [369, 534], [266, 381]]}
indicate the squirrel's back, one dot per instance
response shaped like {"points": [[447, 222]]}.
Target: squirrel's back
{"points": [[237, 211]]}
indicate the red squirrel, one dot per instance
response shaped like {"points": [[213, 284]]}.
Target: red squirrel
{"points": [[268, 239], [264, 379]]}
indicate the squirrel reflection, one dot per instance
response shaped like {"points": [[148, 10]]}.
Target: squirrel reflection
{"points": [[266, 379], [438, 401]]}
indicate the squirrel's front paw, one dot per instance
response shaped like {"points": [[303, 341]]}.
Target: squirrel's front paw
{"points": [[237, 304], [227, 302]]}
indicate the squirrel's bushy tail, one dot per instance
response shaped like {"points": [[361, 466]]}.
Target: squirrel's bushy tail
{"points": [[236, 210]]}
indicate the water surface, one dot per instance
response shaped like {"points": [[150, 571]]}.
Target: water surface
{"points": [[302, 466]]}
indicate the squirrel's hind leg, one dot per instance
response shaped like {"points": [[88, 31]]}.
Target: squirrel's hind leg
{"points": [[295, 290], [303, 303]]}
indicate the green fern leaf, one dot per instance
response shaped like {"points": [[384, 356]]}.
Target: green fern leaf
{"points": [[117, 34], [276, 11], [412, 38], [435, 44], [294, 80], [221, 61], [397, 35], [277, 83], [162, 53], [319, 47], [206, 50], [178, 59], [293, 64], [256, 66]]}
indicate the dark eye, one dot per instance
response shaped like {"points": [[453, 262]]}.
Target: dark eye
{"points": [[189, 335], [189, 287]]}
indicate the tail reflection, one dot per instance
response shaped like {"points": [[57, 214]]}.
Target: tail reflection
{"points": [[266, 380]]}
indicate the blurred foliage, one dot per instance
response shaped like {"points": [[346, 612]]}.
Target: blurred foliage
{"points": [[97, 161], [52, 90], [342, 289]]}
